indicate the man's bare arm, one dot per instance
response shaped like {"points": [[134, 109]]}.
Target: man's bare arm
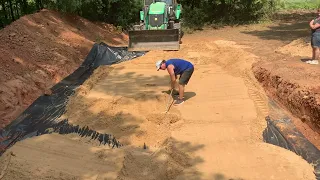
{"points": [[170, 69], [311, 24], [314, 26]]}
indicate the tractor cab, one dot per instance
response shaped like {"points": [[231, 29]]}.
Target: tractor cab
{"points": [[159, 27]]}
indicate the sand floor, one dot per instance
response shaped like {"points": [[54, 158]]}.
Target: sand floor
{"points": [[216, 134]]}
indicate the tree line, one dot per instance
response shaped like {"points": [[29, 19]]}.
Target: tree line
{"points": [[196, 13], [118, 12]]}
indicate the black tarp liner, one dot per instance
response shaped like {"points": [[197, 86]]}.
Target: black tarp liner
{"points": [[283, 133], [40, 117]]}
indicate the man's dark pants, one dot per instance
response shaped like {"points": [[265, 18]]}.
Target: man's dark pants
{"points": [[185, 76]]}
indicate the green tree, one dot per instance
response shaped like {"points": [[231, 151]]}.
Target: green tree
{"points": [[196, 13]]}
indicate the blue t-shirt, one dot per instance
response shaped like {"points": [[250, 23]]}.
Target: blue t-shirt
{"points": [[180, 65]]}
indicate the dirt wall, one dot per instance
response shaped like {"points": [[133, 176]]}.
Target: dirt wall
{"points": [[294, 84], [39, 50]]}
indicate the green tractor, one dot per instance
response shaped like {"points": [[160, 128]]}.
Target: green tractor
{"points": [[159, 28]]}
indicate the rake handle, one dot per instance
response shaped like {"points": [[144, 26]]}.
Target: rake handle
{"points": [[167, 109]]}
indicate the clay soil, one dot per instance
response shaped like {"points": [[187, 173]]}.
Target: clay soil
{"points": [[38, 51], [290, 81], [216, 134]]}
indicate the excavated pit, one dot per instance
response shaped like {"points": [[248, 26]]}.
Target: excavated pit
{"points": [[294, 85], [217, 133]]}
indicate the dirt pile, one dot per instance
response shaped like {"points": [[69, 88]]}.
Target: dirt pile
{"points": [[167, 163], [299, 47], [295, 85], [60, 157], [68, 157], [39, 50]]}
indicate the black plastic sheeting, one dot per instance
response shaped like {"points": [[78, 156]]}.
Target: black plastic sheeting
{"points": [[283, 133], [40, 117]]}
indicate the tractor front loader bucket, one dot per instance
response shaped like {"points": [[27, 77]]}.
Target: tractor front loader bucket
{"points": [[146, 40]]}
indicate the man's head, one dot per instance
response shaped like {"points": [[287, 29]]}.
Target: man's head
{"points": [[161, 65]]}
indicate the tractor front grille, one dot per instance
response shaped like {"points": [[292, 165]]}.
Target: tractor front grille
{"points": [[156, 20]]}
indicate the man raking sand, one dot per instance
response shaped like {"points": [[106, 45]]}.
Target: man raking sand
{"points": [[177, 67]]}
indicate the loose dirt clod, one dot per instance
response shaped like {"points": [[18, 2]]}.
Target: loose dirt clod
{"points": [[163, 118]]}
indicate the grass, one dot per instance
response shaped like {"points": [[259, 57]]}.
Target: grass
{"points": [[298, 4]]}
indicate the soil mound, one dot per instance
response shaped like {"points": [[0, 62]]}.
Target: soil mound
{"points": [[41, 158], [299, 47], [167, 163]]}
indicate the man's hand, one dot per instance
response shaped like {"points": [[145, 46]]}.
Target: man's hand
{"points": [[174, 91], [167, 92]]}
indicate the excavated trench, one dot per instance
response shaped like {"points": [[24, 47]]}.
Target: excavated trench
{"points": [[42, 117], [300, 132], [151, 145], [300, 98]]}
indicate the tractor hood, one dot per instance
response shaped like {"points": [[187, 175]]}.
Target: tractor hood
{"points": [[157, 8]]}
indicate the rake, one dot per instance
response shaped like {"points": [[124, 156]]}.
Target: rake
{"points": [[169, 102]]}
